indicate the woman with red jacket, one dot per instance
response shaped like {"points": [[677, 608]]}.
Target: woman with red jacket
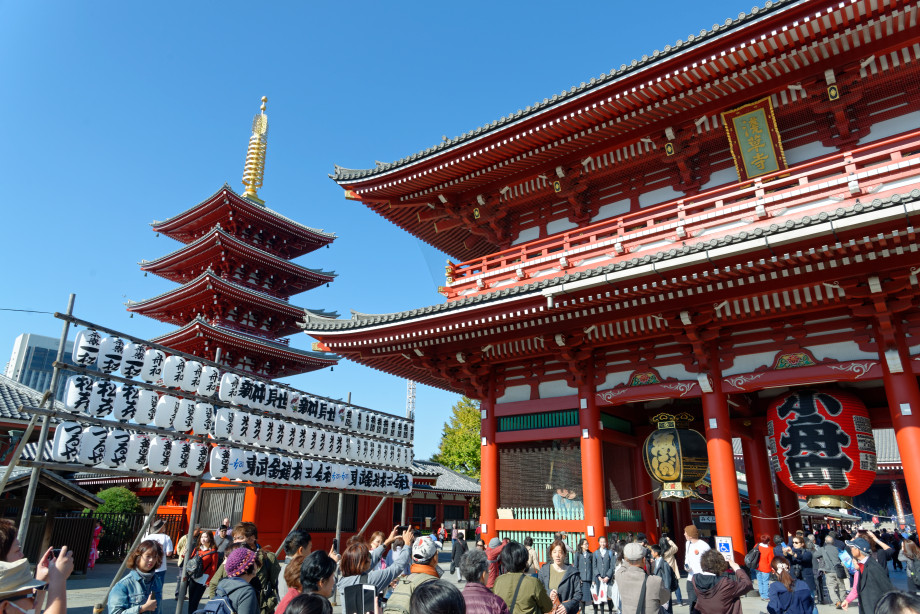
{"points": [[210, 561]]}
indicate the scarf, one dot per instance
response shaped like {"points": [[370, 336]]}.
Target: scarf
{"points": [[145, 576], [426, 569]]}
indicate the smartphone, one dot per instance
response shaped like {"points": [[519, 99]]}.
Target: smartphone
{"points": [[359, 598], [402, 528], [335, 545]]}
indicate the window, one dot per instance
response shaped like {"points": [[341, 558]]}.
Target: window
{"points": [[454, 512], [423, 510], [322, 515]]}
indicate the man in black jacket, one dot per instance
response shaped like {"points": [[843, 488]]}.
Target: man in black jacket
{"points": [[660, 568], [873, 581]]}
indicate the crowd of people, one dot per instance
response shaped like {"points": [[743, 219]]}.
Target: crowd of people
{"points": [[230, 573]]}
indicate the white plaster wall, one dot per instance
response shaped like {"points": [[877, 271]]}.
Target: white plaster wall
{"points": [[807, 152], [611, 209], [557, 388], [559, 226], [656, 197], [528, 234], [726, 175], [841, 351], [749, 362], [515, 393], [676, 371], [895, 125], [614, 379]]}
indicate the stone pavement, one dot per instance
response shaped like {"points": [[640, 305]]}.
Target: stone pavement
{"points": [[84, 591]]}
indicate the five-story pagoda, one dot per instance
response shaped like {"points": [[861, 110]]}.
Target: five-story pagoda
{"points": [[237, 277]]}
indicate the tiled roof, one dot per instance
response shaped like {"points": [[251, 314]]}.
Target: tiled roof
{"points": [[75, 493], [359, 320], [681, 46], [447, 479], [14, 395]]}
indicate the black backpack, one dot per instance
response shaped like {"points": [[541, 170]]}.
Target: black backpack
{"points": [[219, 605]]}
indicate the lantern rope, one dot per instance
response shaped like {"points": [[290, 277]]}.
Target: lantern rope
{"points": [[755, 516], [639, 497], [872, 513]]}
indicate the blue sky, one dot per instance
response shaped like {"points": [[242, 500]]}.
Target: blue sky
{"points": [[119, 113]]}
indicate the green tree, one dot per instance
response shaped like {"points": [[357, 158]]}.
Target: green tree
{"points": [[460, 442], [118, 500]]}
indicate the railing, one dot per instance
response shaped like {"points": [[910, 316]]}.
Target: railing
{"points": [[543, 420], [624, 516], [547, 513], [814, 186], [542, 540], [120, 530]]}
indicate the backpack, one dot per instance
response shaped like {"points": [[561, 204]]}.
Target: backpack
{"points": [[398, 603], [752, 558], [219, 605], [194, 567]]}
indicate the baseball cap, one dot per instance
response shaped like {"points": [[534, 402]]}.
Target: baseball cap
{"points": [[16, 580], [860, 544], [423, 550], [633, 552]]}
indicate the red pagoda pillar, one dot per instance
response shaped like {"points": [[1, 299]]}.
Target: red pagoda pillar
{"points": [[592, 461], [488, 472], [760, 486], [725, 496], [904, 404], [788, 508]]}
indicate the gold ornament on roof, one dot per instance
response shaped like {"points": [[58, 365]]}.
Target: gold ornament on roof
{"points": [[254, 170]]}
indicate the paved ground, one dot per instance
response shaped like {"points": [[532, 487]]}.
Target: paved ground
{"points": [[84, 591]]}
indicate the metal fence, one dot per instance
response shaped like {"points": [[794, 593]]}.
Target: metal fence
{"points": [[120, 531]]}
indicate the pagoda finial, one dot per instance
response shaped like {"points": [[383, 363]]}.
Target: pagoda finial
{"points": [[255, 156]]}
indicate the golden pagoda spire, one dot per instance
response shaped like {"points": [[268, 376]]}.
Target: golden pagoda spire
{"points": [[255, 155]]}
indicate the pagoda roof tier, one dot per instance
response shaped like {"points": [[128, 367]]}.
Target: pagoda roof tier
{"points": [[758, 270], [462, 195], [266, 358], [270, 230], [239, 261], [219, 299]]}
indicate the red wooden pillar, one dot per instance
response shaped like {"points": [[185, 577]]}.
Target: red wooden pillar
{"points": [[788, 508], [725, 496], [488, 474], [760, 486], [904, 404], [646, 502], [592, 461], [250, 504]]}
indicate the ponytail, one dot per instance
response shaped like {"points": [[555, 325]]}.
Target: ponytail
{"points": [[780, 565]]}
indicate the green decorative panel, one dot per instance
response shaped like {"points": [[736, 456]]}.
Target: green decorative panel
{"points": [[542, 420], [616, 424]]}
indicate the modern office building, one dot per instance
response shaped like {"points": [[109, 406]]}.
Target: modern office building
{"points": [[32, 362]]}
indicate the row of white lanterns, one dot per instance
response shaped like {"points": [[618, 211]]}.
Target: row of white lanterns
{"points": [[154, 366], [121, 449]]}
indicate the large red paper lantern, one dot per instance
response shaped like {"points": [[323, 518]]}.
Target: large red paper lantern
{"points": [[821, 445]]}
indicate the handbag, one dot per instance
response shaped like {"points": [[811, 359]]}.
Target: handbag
{"points": [[840, 571], [752, 558], [613, 595]]}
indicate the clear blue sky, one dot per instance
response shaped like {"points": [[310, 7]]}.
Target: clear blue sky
{"points": [[119, 113]]}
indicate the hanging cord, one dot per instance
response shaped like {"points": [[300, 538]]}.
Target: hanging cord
{"points": [[872, 513], [757, 517], [26, 310], [639, 497]]}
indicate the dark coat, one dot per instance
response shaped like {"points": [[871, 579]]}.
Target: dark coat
{"points": [[873, 583], [799, 601], [721, 594], [604, 565], [803, 558], [569, 587], [585, 566], [664, 571]]}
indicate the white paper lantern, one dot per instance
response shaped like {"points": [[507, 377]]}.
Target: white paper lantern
{"points": [[406, 486], [242, 427], [198, 458], [209, 381], [255, 430], [292, 404], [173, 371], [152, 369], [132, 359], [65, 447], [203, 421], [226, 391], [223, 425], [92, 445], [300, 442], [184, 418], [240, 467], [138, 447], [267, 435], [146, 406], [273, 468], [116, 448], [290, 438], [385, 431], [261, 467], [411, 437], [219, 465], [125, 406], [102, 398], [243, 392], [86, 347], [259, 395], [110, 354], [280, 437], [296, 472], [159, 454], [191, 376], [179, 456], [167, 408], [77, 393]]}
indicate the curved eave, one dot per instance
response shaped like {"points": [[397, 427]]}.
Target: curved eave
{"points": [[198, 248], [176, 226]]}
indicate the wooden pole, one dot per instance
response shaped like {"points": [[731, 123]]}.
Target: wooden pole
{"points": [[183, 584], [17, 454], [376, 509], [303, 515]]}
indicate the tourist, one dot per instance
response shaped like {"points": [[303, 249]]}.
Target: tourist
{"points": [[356, 567], [297, 545], [632, 579], [11, 551], [765, 555], [533, 564], [561, 580], [604, 565], [870, 582], [437, 597], [474, 567], [291, 577], [800, 560], [241, 567], [141, 589], [223, 540], [584, 564], [481, 545], [166, 545], [209, 562], [788, 595], [827, 561], [669, 552], [493, 553], [424, 569], [521, 592], [265, 582], [98, 532], [660, 568], [719, 592], [695, 548], [458, 549], [182, 545], [911, 555], [377, 549], [317, 574], [51, 575], [310, 603], [879, 550], [897, 602]]}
